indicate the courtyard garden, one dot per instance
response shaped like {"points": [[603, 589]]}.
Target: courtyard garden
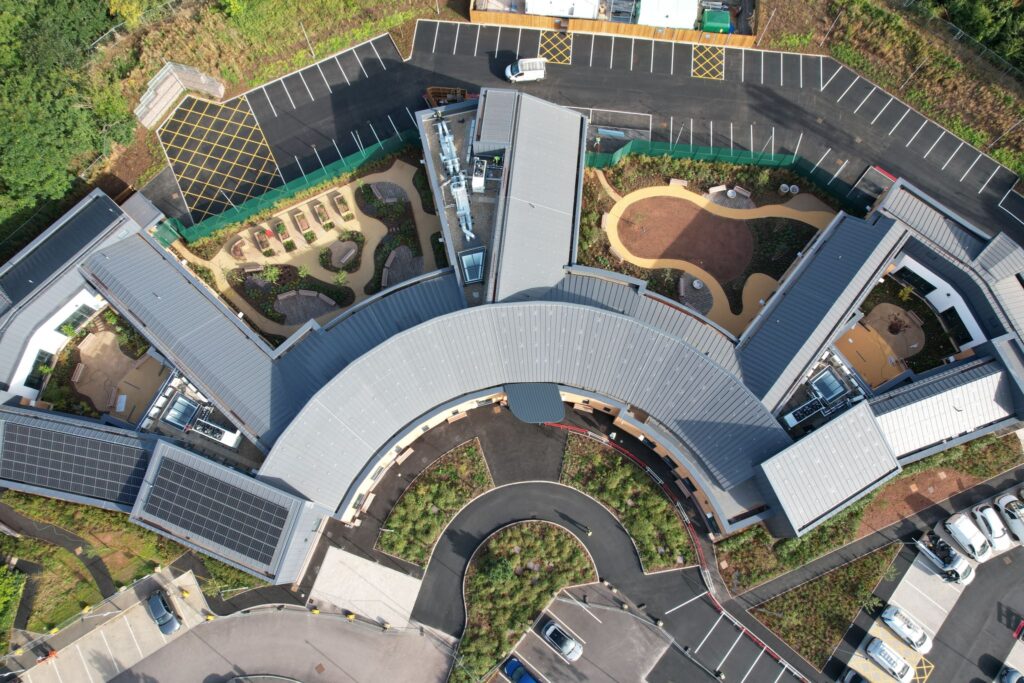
{"points": [[512, 578], [395, 211], [753, 556], [432, 500], [813, 617], [263, 290], [643, 509]]}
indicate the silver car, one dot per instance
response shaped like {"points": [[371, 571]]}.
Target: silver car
{"points": [[1013, 512], [559, 639]]}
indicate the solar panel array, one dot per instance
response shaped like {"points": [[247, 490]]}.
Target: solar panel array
{"points": [[72, 463], [214, 510]]}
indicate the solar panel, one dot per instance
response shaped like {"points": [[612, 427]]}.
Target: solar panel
{"points": [[216, 511], [72, 463]]}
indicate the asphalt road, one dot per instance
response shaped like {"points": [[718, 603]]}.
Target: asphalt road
{"points": [[768, 102]]}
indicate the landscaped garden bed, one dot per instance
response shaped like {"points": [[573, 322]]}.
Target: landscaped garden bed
{"points": [[262, 289], [777, 241], [643, 509], [813, 617], [355, 262], [398, 218], [937, 345], [432, 500], [754, 556], [12, 585], [511, 579]]}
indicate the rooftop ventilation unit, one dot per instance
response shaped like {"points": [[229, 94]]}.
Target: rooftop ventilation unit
{"points": [[449, 157], [479, 174], [462, 206]]}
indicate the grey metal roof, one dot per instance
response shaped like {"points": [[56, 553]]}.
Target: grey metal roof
{"points": [[539, 198], [952, 403], [830, 468], [942, 230], [339, 432], [52, 251], [72, 459], [812, 306], [222, 512], [257, 388], [535, 402], [623, 294], [141, 210], [1001, 258], [495, 115]]}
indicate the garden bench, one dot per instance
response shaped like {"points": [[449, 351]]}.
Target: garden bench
{"points": [[717, 188], [326, 299], [112, 398], [250, 268], [348, 253], [306, 292], [287, 295], [678, 182], [77, 374], [742, 191]]}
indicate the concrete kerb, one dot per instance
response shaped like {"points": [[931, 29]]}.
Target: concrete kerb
{"points": [[465, 619]]}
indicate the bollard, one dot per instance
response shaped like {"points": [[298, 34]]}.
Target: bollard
{"points": [[351, 616], [659, 623]]}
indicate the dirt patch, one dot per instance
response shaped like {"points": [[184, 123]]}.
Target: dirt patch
{"points": [[908, 496], [669, 227]]}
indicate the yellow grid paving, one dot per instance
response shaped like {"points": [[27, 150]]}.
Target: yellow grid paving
{"points": [[218, 154], [556, 47], [923, 670], [708, 62]]}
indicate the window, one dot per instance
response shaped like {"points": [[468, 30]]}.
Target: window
{"points": [[78, 318], [920, 285], [35, 376], [955, 326], [472, 265]]}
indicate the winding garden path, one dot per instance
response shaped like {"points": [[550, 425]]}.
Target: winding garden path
{"points": [[804, 208]]}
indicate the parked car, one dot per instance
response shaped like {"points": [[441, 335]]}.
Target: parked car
{"points": [[160, 609], [992, 526], [912, 633], [1011, 675], [559, 639], [852, 677], [533, 69], [1013, 513], [516, 672], [970, 538], [945, 558], [889, 661]]}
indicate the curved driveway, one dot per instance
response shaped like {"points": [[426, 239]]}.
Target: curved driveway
{"points": [[440, 600]]}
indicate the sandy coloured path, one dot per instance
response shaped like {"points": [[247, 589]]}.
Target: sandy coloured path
{"points": [[805, 208]]}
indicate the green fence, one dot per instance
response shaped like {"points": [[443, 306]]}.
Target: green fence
{"points": [[268, 200], [850, 200]]}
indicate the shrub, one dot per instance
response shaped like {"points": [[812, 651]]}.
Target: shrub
{"points": [[269, 252], [289, 245], [303, 271], [270, 274], [341, 278], [310, 236]]}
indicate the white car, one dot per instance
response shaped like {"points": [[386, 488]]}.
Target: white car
{"points": [[969, 537], [1013, 513], [987, 519], [912, 633]]}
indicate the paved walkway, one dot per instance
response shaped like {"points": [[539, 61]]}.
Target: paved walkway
{"points": [[758, 286]]}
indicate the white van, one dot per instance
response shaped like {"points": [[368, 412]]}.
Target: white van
{"points": [[906, 628], [969, 536], [890, 662], [534, 69]]}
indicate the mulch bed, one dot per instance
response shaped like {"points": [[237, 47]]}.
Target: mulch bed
{"points": [[669, 227]]}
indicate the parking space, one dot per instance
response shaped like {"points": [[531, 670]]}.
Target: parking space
{"points": [[127, 636]]}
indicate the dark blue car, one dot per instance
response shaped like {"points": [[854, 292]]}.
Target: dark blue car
{"points": [[516, 672]]}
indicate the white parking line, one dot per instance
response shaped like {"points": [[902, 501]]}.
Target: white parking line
{"points": [[382, 65], [652, 55], [454, 45], [437, 28], [708, 634], [131, 631], [854, 82], [833, 76], [303, 78], [779, 677], [762, 68], [410, 115], [593, 37], [782, 75], [393, 124], [56, 670], [265, 94], [952, 155], [886, 106], [519, 40], [873, 89], [319, 160], [756, 659], [324, 77], [572, 632], [820, 160], [923, 124], [970, 167], [338, 62], [801, 72], [611, 55], [632, 50], [839, 171], [303, 172], [497, 41], [798, 141], [743, 65], [751, 138], [583, 607], [361, 68], [1018, 219], [113, 661], [532, 668], [373, 131], [672, 63], [336, 149], [738, 636], [84, 665], [941, 135], [994, 171], [900, 121], [730, 139], [476, 44], [288, 94], [696, 597]]}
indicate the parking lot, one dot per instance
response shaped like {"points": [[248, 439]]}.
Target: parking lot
{"points": [[126, 634]]}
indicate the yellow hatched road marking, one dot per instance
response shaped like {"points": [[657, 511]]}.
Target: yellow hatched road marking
{"points": [[556, 47], [708, 62]]}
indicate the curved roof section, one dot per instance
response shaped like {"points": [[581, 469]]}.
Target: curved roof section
{"points": [[342, 428]]}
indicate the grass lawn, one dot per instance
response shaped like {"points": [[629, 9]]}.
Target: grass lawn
{"points": [[512, 578], [430, 502], [813, 617], [937, 345], [636, 500], [754, 556]]}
